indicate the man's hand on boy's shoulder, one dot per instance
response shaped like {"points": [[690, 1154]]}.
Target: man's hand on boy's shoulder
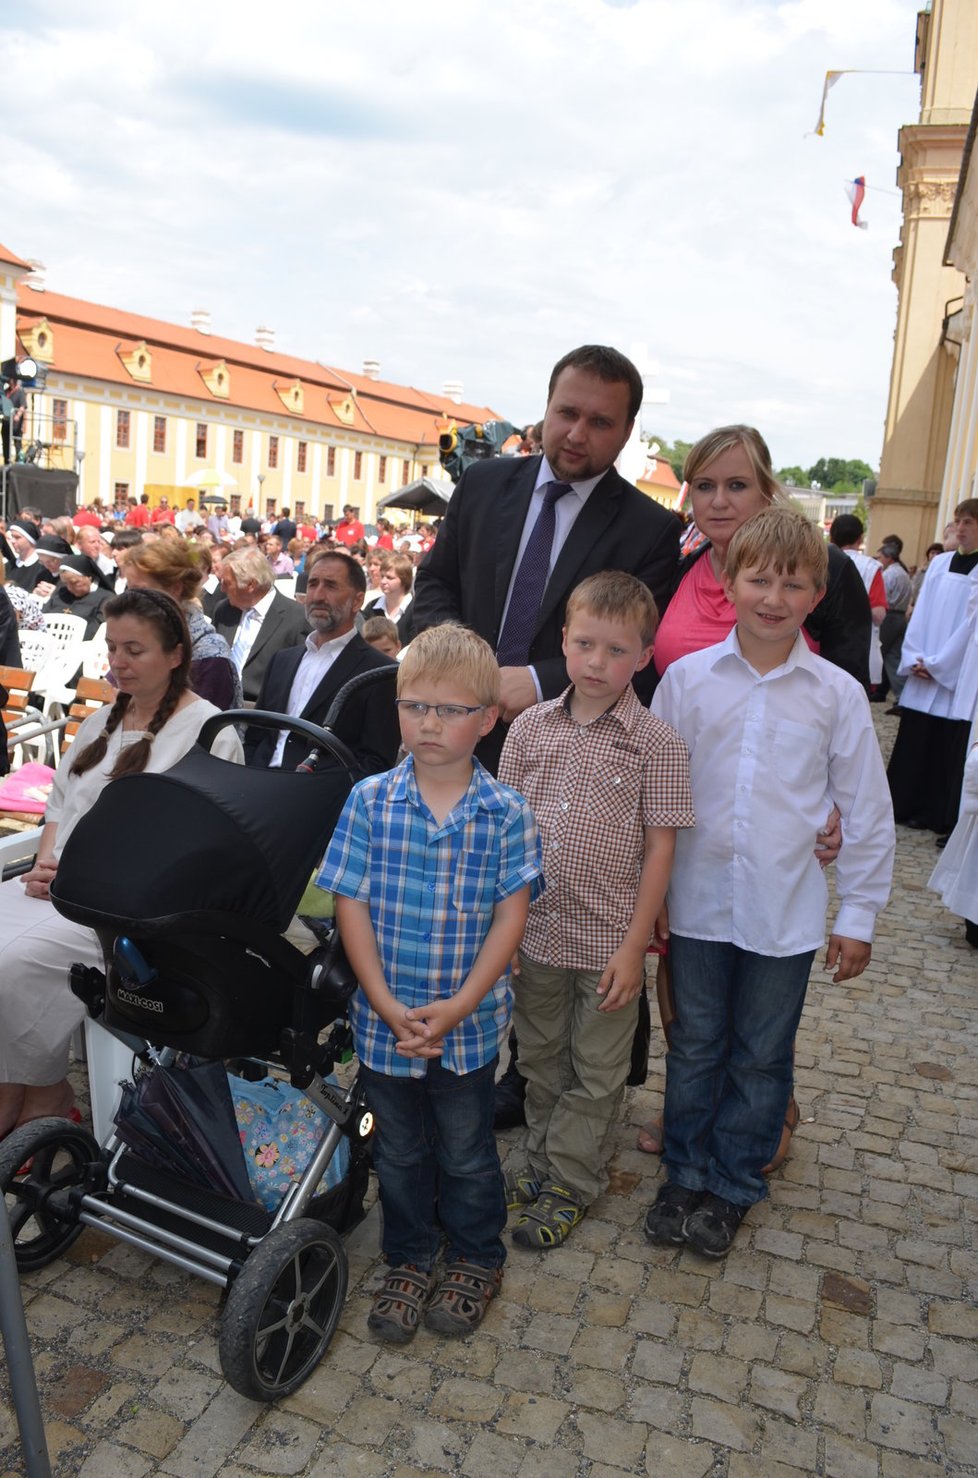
{"points": [[623, 978], [850, 955]]}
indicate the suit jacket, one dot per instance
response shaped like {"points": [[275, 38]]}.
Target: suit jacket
{"points": [[466, 576], [283, 626], [367, 723]]}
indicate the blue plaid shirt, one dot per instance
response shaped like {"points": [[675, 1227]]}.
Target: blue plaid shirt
{"points": [[432, 890]]}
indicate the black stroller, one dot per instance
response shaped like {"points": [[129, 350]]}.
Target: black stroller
{"points": [[208, 863]]}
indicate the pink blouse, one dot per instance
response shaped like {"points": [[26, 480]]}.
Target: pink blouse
{"points": [[699, 615]]}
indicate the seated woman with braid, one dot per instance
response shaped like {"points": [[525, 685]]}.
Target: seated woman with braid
{"points": [[153, 722]]}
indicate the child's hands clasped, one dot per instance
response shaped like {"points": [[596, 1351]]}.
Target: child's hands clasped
{"points": [[421, 1030], [850, 955], [623, 978]]}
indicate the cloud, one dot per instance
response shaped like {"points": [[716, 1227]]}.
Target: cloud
{"points": [[465, 192]]}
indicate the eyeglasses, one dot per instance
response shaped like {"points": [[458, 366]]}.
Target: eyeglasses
{"points": [[449, 713]]}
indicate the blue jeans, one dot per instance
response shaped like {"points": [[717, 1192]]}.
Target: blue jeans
{"points": [[729, 1065], [437, 1165]]}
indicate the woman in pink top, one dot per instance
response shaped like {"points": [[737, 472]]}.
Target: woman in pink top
{"points": [[730, 478]]}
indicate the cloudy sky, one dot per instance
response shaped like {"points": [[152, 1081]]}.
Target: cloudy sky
{"points": [[463, 191]]}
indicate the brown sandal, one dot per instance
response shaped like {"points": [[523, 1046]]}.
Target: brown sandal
{"points": [[462, 1298], [396, 1310], [792, 1119]]}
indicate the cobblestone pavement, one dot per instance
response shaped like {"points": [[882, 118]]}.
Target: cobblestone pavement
{"points": [[840, 1337]]}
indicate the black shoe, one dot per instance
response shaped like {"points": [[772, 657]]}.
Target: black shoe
{"points": [[666, 1217], [878, 697], [896, 709], [916, 824], [971, 933], [711, 1228], [941, 842], [510, 1099]]}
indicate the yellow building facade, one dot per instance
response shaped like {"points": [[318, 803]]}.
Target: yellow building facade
{"points": [[138, 406], [929, 287]]}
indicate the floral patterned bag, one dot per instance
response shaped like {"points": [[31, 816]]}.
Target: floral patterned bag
{"points": [[280, 1131]]}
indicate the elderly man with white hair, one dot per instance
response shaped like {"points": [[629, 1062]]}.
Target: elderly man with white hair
{"points": [[255, 619]]}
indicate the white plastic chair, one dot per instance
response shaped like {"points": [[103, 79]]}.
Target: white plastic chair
{"points": [[68, 633], [36, 648], [95, 654]]}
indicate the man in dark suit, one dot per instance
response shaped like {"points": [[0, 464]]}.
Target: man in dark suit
{"points": [[481, 569], [255, 619], [304, 680], [285, 529], [600, 522]]}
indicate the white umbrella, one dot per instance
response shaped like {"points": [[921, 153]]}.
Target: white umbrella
{"points": [[210, 478]]}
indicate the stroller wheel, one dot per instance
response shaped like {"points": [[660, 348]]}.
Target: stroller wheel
{"points": [[39, 1164], [283, 1309]]}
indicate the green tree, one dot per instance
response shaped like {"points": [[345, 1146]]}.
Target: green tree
{"points": [[672, 452], [795, 477], [839, 473]]}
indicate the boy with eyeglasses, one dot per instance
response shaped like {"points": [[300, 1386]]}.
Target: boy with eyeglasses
{"points": [[434, 865]]}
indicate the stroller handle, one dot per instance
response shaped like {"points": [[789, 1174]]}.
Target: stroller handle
{"points": [[262, 719], [372, 678]]}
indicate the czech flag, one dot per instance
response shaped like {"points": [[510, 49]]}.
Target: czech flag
{"points": [[856, 190]]}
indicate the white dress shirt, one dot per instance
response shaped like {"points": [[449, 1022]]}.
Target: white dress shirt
{"points": [[566, 511], [248, 628], [768, 756], [316, 662]]}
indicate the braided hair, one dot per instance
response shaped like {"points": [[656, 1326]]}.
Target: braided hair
{"points": [[164, 615]]}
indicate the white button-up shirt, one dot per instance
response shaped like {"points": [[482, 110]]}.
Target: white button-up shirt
{"points": [[248, 628], [769, 754], [316, 662]]}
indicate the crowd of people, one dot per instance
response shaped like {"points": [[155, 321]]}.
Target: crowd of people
{"points": [[599, 747]]}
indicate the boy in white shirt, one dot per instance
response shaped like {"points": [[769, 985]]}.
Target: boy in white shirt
{"points": [[772, 730]]}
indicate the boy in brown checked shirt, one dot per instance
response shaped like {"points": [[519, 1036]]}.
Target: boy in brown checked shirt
{"points": [[608, 784]]}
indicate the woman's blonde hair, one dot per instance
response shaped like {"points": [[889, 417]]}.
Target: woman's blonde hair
{"points": [[755, 448], [172, 564], [451, 653], [401, 566]]}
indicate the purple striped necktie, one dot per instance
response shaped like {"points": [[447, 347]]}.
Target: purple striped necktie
{"points": [[530, 583]]}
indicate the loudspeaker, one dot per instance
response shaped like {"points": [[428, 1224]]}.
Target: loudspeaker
{"points": [[53, 491]]}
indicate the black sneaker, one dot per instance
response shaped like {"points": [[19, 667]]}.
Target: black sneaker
{"points": [[711, 1228], [666, 1217]]}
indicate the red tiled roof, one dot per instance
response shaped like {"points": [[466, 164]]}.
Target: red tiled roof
{"points": [[89, 340], [662, 477], [6, 255]]}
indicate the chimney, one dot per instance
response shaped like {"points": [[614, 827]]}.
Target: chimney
{"points": [[37, 277], [265, 338], [371, 369], [200, 319], [452, 390]]}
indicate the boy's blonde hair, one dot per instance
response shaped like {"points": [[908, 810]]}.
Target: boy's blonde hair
{"points": [[451, 653], [615, 596], [783, 538], [375, 628]]}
